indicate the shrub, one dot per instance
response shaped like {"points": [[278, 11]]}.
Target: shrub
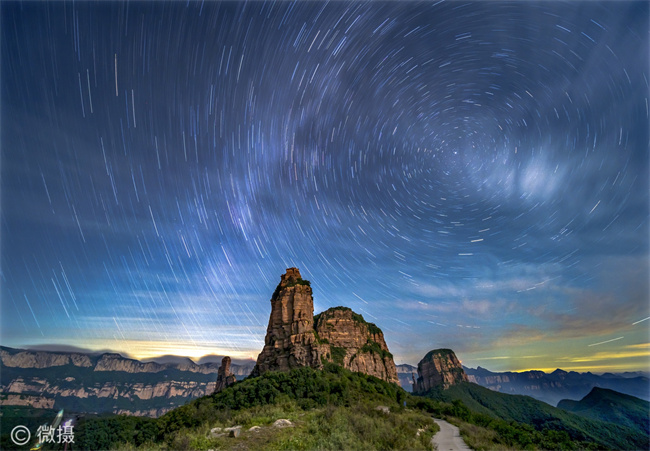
{"points": [[338, 354]]}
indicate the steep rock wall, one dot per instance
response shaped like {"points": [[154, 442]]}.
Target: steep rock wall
{"points": [[439, 368], [295, 337]]}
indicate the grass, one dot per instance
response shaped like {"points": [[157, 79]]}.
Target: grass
{"points": [[359, 427], [478, 437], [374, 348], [336, 409], [329, 409]]}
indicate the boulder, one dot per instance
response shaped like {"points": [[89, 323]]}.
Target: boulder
{"points": [[234, 431], [282, 423]]}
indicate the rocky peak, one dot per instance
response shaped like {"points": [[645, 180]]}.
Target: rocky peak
{"points": [[290, 333], [295, 337], [439, 368], [290, 277], [354, 343], [224, 376]]}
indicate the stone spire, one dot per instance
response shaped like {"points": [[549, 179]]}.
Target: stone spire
{"points": [[224, 376], [290, 333], [295, 337]]}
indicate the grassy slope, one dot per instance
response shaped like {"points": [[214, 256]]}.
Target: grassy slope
{"points": [[539, 415], [331, 409], [335, 409], [609, 405]]}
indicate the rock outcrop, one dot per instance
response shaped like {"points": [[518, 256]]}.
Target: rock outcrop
{"points": [[224, 376], [439, 368], [296, 338], [24, 359], [290, 340], [37, 402], [354, 343], [42, 359]]}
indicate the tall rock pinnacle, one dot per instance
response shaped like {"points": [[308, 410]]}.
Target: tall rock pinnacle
{"points": [[225, 377], [295, 337], [290, 334]]}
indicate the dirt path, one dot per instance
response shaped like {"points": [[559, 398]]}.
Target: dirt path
{"points": [[448, 438]]}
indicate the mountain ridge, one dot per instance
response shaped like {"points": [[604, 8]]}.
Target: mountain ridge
{"points": [[611, 406], [560, 384], [538, 414], [102, 383], [106, 361], [295, 337]]}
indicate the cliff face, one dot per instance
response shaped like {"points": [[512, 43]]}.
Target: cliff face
{"points": [[290, 338], [405, 373], [439, 368], [103, 383], [42, 359], [355, 344], [296, 338], [15, 358]]}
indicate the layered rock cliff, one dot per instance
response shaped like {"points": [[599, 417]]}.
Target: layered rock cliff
{"points": [[355, 344], [439, 368], [296, 338], [290, 340], [102, 383]]}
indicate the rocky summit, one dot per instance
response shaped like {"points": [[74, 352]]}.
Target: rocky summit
{"points": [[439, 368], [295, 337], [354, 343], [290, 341]]}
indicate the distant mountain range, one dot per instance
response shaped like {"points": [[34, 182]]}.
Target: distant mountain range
{"points": [[108, 382], [558, 385], [99, 383], [548, 387]]}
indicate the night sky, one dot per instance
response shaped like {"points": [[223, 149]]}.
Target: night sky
{"points": [[465, 175]]}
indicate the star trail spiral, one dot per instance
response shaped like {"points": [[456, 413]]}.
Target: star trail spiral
{"points": [[471, 175]]}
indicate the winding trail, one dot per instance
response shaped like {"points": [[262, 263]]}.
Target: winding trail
{"points": [[448, 438]]}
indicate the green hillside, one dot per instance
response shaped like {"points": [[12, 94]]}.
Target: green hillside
{"points": [[329, 409], [337, 409], [487, 405], [609, 405], [12, 416]]}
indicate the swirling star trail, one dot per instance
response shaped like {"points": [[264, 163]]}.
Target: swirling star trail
{"points": [[466, 175]]}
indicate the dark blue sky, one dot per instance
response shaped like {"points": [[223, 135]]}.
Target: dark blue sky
{"points": [[465, 175]]}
